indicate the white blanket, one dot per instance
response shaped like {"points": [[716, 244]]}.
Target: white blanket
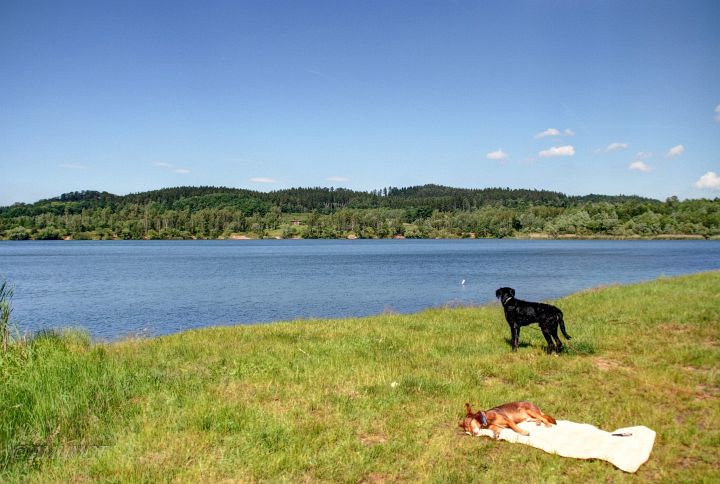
{"points": [[584, 441]]}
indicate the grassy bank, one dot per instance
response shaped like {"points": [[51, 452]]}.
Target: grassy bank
{"points": [[373, 399]]}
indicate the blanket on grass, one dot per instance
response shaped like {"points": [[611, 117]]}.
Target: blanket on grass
{"points": [[626, 448]]}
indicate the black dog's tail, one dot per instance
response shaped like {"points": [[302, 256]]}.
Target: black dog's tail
{"points": [[562, 326]]}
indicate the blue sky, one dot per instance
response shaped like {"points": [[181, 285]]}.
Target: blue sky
{"points": [[581, 97]]}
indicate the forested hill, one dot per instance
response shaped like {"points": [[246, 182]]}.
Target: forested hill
{"points": [[419, 211], [434, 197]]}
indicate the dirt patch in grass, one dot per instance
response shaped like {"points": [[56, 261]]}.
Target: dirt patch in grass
{"points": [[674, 328], [370, 440], [687, 462], [705, 392], [606, 364], [692, 370], [713, 344], [376, 478]]}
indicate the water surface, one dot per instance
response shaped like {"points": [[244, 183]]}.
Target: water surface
{"points": [[119, 288]]}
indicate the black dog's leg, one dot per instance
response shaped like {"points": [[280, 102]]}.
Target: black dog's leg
{"points": [[551, 345], [554, 332], [558, 343], [515, 333]]}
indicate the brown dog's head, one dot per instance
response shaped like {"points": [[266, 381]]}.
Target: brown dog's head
{"points": [[473, 422], [505, 293]]}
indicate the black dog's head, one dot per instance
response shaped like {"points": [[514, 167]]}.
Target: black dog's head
{"points": [[505, 293]]}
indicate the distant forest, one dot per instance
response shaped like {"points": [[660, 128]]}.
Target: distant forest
{"points": [[428, 211]]}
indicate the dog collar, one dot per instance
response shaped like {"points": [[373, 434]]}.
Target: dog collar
{"points": [[506, 300], [484, 419]]}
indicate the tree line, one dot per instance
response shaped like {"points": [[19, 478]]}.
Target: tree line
{"points": [[427, 211]]}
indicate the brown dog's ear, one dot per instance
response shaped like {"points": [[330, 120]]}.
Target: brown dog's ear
{"points": [[468, 410]]}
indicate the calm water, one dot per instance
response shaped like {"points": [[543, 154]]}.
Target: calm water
{"points": [[119, 288]]}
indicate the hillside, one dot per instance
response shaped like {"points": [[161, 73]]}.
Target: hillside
{"points": [[317, 198]]}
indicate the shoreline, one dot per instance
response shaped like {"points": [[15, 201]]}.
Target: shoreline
{"points": [[147, 334], [532, 236]]}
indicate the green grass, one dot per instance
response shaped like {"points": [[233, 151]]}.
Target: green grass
{"points": [[372, 399]]}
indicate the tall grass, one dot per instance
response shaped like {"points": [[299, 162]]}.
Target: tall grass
{"points": [[58, 391], [370, 399], [6, 294]]}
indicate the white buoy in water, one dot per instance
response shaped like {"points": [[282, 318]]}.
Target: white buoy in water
{"points": [[463, 282]]}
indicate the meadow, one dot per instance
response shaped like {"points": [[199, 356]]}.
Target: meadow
{"points": [[369, 399]]}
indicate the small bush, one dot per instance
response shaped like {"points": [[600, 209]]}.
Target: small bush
{"points": [[18, 233]]}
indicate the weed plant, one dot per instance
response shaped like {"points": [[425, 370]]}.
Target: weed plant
{"points": [[6, 294]]}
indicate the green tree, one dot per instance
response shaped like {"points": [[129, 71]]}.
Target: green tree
{"points": [[18, 233], [48, 233]]}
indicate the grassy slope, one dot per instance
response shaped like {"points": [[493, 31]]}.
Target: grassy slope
{"points": [[315, 400]]}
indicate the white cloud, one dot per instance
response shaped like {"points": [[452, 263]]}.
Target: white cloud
{"points": [[339, 179], [548, 132], [262, 179], [615, 147], [675, 151], [567, 150], [72, 166], [717, 113], [709, 180], [496, 155], [555, 132], [639, 166], [171, 167]]}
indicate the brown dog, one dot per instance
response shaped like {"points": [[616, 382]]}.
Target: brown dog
{"points": [[503, 417]]}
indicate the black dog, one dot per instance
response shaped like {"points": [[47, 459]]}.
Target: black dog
{"points": [[521, 313]]}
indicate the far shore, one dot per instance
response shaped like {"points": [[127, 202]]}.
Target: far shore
{"points": [[527, 236]]}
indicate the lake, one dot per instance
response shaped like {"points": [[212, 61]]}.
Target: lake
{"points": [[115, 289]]}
